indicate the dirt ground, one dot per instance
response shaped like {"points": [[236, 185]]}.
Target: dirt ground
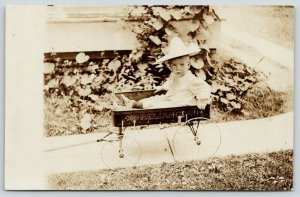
{"points": [[273, 23]]}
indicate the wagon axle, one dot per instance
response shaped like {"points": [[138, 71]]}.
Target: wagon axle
{"points": [[198, 142], [121, 153]]}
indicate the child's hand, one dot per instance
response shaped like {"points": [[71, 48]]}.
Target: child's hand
{"points": [[158, 89], [202, 103]]}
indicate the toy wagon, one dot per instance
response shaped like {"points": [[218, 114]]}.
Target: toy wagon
{"points": [[195, 137]]}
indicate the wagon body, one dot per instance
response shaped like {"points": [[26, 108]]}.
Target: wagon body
{"points": [[135, 117], [157, 116]]}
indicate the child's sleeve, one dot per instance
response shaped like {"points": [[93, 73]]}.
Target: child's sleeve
{"points": [[200, 89], [166, 85]]}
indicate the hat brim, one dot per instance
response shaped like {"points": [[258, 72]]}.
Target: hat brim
{"points": [[172, 56]]}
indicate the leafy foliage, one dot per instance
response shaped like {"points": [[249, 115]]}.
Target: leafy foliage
{"points": [[230, 84]]}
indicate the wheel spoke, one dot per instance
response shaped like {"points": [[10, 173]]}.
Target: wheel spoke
{"points": [[198, 123], [192, 128]]}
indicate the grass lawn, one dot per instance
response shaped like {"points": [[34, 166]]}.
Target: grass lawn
{"points": [[268, 171]]}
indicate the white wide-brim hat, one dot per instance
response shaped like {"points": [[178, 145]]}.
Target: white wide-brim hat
{"points": [[177, 49]]}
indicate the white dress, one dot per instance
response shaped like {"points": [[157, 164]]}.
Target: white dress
{"points": [[185, 91]]}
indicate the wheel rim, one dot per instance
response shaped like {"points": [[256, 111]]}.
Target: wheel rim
{"points": [[201, 143], [114, 157]]}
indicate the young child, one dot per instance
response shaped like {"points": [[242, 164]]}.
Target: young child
{"points": [[183, 88]]}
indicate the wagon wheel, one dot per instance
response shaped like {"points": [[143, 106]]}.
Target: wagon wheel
{"points": [[121, 151], [196, 139]]}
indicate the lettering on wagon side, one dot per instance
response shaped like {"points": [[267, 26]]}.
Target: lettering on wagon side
{"points": [[173, 116]]}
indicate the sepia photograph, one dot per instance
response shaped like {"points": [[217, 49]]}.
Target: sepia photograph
{"points": [[154, 97]]}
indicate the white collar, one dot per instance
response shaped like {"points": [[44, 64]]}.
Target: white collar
{"points": [[187, 75]]}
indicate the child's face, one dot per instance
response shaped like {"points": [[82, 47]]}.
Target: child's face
{"points": [[179, 66]]}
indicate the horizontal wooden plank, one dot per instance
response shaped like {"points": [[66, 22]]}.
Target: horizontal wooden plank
{"points": [[97, 55], [94, 55], [99, 13]]}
